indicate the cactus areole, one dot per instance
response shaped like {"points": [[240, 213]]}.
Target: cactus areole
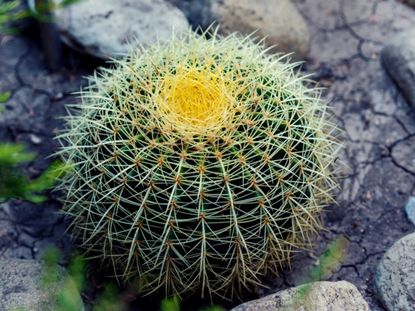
{"points": [[197, 165]]}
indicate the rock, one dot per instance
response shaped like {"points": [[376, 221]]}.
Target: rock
{"points": [[395, 276], [318, 296], [410, 2], [20, 287], [107, 28], [410, 209], [278, 21], [196, 11], [398, 57], [35, 139]]}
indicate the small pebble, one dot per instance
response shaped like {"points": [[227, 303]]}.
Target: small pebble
{"points": [[58, 96], [367, 196], [35, 139], [410, 209]]}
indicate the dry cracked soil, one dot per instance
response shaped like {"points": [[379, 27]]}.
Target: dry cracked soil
{"points": [[378, 137]]}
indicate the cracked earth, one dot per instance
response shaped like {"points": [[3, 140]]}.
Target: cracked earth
{"points": [[378, 136]]}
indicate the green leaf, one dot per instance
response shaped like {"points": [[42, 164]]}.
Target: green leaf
{"points": [[8, 6], [50, 258], [331, 257], [68, 299], [109, 300], [34, 198], [68, 2], [14, 154], [15, 184], [4, 97], [48, 177], [11, 11], [77, 270], [66, 287], [171, 304], [8, 14]]}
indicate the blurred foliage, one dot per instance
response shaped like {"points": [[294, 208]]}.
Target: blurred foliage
{"points": [[12, 11], [171, 304], [44, 7], [109, 300], [4, 97], [15, 184], [69, 286], [174, 304], [67, 297], [331, 258], [64, 289]]}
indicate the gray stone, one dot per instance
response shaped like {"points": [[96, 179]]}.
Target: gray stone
{"points": [[410, 2], [279, 22], [395, 276], [21, 289], [107, 28], [398, 57], [318, 296], [196, 11], [410, 209]]}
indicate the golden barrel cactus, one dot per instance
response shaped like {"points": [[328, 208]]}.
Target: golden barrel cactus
{"points": [[197, 165]]}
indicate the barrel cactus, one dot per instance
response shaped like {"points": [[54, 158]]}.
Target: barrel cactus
{"points": [[199, 164]]}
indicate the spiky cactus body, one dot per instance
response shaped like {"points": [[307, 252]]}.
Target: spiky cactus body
{"points": [[200, 164]]}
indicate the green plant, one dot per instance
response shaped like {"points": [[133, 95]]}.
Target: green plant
{"points": [[68, 287], [65, 287], [109, 300], [171, 304], [9, 13], [174, 304], [12, 11], [330, 259], [15, 184], [4, 97], [200, 164]]}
